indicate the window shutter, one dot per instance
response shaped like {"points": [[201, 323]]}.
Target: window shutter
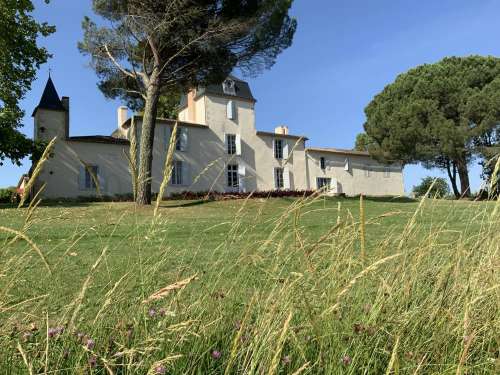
{"points": [[101, 180], [184, 138], [238, 144], [186, 176], [226, 143], [241, 178], [285, 150], [286, 178], [334, 187], [81, 178], [230, 110], [347, 166]]}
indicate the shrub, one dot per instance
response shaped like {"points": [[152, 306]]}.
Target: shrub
{"points": [[440, 188], [6, 195]]}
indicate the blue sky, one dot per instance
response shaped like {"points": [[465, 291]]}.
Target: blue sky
{"points": [[344, 52]]}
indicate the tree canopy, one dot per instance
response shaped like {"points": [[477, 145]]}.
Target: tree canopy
{"points": [[436, 187], [363, 142], [155, 46], [438, 114], [20, 57]]}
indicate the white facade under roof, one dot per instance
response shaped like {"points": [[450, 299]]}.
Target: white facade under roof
{"points": [[218, 149]]}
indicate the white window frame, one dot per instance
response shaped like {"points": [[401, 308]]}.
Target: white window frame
{"points": [[231, 110], [326, 181], [177, 178], [229, 87], [278, 151], [322, 163], [279, 178], [232, 175], [231, 144], [181, 142]]}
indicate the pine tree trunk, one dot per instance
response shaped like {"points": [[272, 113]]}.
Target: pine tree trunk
{"points": [[453, 178], [146, 142], [463, 174]]}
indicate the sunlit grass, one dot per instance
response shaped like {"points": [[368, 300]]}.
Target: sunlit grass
{"points": [[254, 286]]}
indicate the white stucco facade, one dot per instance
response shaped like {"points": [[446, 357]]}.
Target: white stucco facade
{"points": [[219, 149]]}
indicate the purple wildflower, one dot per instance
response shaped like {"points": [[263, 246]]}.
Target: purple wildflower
{"points": [[52, 332], [286, 360], [90, 344], [152, 313], [216, 354], [346, 360], [160, 370], [93, 361]]}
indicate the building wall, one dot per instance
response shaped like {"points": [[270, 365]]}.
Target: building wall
{"points": [[62, 172], [355, 181], [206, 157]]}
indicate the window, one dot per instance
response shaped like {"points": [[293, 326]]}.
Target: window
{"points": [[91, 173], [278, 178], [231, 144], [368, 171], [347, 165], [231, 110], [324, 183], [322, 163], [278, 148], [181, 139], [232, 176], [229, 87], [177, 177], [387, 172]]}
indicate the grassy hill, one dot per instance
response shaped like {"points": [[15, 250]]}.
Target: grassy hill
{"points": [[275, 286]]}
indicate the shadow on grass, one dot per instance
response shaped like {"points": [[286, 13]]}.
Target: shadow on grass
{"points": [[184, 203]]}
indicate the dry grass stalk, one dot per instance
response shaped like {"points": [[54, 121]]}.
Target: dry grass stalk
{"points": [[167, 168], [301, 369], [394, 356], [165, 291], [108, 300], [281, 341], [79, 299], [25, 358], [36, 172], [237, 338], [30, 242], [362, 227], [360, 275]]}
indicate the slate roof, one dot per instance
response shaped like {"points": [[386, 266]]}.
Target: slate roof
{"points": [[50, 99], [242, 90], [100, 139], [338, 151]]}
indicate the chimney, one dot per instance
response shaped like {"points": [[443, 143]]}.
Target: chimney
{"points": [[122, 116], [65, 104], [191, 106], [283, 130]]}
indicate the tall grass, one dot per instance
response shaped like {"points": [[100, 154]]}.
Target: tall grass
{"points": [[256, 292]]}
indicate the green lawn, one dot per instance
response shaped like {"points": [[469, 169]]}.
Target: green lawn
{"points": [[280, 286]]}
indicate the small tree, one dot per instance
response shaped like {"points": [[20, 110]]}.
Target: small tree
{"points": [[20, 57], [439, 189], [158, 46], [363, 142], [437, 114]]}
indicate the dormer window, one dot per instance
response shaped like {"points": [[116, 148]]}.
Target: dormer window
{"points": [[229, 87]]}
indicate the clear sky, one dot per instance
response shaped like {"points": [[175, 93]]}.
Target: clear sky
{"points": [[344, 52]]}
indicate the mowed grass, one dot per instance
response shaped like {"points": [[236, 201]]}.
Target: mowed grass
{"points": [[258, 286]]}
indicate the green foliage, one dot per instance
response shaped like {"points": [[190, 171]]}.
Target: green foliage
{"points": [[6, 194], [20, 57], [363, 142], [437, 114], [437, 187]]}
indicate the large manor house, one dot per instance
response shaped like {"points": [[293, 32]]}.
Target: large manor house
{"points": [[218, 148]]}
